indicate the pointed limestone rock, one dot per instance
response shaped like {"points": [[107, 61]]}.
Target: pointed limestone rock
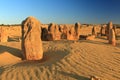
{"points": [[77, 30], [57, 33], [71, 34], [109, 26], [112, 38], [94, 31], [102, 30], [64, 32], [31, 39], [51, 34]]}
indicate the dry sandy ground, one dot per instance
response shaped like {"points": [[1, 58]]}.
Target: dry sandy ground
{"points": [[63, 60]]}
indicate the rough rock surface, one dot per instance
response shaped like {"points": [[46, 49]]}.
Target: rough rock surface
{"points": [[102, 30], [94, 31], [71, 34], [51, 32], [112, 38], [64, 32], [77, 30], [57, 33], [3, 35], [109, 26], [31, 39]]}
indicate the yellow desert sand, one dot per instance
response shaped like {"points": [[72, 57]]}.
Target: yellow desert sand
{"points": [[63, 60]]}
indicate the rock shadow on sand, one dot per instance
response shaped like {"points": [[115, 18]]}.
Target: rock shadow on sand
{"points": [[75, 76], [49, 58], [1, 70], [14, 51]]}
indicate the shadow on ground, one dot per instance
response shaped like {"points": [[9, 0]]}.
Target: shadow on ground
{"points": [[75, 76], [49, 58], [94, 42], [11, 50], [1, 70]]}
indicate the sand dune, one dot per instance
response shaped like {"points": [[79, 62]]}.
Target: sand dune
{"points": [[63, 60]]}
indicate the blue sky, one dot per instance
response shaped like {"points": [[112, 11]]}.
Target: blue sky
{"points": [[60, 11]]}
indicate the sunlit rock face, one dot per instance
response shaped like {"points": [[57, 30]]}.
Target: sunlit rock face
{"points": [[31, 39], [112, 38], [3, 34], [109, 26], [53, 32], [64, 32]]}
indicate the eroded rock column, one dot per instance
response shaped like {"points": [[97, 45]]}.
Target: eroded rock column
{"points": [[112, 38], [108, 28], [77, 30], [31, 39]]}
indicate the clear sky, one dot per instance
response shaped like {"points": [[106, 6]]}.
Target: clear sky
{"points": [[60, 11]]}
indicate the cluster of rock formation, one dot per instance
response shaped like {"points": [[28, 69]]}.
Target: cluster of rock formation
{"points": [[53, 31], [58, 32], [33, 33], [31, 39]]}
